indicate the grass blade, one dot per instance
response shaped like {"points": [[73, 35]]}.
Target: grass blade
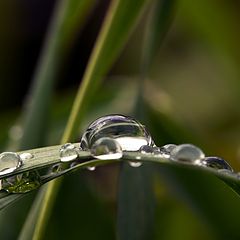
{"points": [[136, 200], [67, 20]]}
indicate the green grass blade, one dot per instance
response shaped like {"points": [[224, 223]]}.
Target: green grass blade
{"points": [[118, 24], [136, 201], [67, 20], [158, 24], [120, 20]]}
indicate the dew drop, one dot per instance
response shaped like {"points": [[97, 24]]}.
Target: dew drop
{"points": [[91, 168], [146, 149], [68, 152], [22, 183], [9, 162], [186, 153], [106, 148], [166, 150], [128, 132], [216, 163], [26, 156], [135, 164]]}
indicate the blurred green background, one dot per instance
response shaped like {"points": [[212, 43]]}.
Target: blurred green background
{"points": [[191, 95]]}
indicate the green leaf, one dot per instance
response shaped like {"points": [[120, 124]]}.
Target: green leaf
{"points": [[136, 201], [119, 22], [66, 23]]}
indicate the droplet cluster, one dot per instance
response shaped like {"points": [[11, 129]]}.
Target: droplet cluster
{"points": [[107, 138]]}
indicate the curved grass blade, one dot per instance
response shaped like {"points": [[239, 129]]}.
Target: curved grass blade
{"points": [[197, 181]]}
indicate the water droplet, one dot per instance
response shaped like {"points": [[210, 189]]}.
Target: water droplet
{"points": [[128, 132], [135, 164], [68, 152], [106, 148], [26, 155], [146, 149], [22, 183], [9, 162], [56, 168], [91, 168], [216, 163], [166, 150], [186, 153]]}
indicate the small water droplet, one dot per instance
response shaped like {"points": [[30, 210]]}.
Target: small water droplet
{"points": [[91, 168], [166, 150], [186, 153], [68, 152], [128, 132], [135, 164], [146, 149], [26, 156], [216, 163], [22, 183], [56, 168], [106, 148], [9, 162]]}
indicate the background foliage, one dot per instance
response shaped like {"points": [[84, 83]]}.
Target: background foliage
{"points": [[179, 66]]}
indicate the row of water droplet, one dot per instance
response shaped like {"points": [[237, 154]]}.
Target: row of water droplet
{"points": [[107, 138]]}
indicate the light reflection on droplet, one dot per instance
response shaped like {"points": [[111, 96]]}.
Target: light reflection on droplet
{"points": [[91, 168], [106, 148], [135, 164]]}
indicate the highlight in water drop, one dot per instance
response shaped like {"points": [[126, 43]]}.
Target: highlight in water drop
{"points": [[128, 132], [106, 148], [68, 152], [186, 153], [91, 168], [9, 162], [216, 163], [22, 183], [135, 164]]}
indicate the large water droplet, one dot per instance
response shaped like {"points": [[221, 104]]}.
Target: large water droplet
{"points": [[68, 152], [128, 132], [106, 148], [186, 153], [9, 162], [22, 183], [216, 163]]}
